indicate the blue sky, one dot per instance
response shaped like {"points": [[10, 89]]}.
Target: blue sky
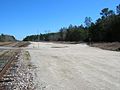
{"points": [[26, 17]]}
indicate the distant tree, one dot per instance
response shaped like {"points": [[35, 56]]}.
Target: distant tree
{"points": [[88, 21], [106, 12], [111, 12], [105, 29], [81, 27], [118, 9], [6, 38], [70, 27], [61, 31], [2, 35]]}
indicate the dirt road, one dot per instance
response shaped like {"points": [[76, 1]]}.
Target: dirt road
{"points": [[74, 67]]}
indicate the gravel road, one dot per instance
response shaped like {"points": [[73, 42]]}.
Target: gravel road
{"points": [[74, 67]]}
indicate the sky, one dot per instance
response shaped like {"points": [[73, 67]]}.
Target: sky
{"points": [[27, 17]]}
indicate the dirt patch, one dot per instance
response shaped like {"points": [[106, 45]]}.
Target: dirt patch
{"points": [[59, 46]]}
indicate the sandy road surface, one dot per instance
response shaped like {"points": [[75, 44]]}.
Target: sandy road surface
{"points": [[74, 67]]}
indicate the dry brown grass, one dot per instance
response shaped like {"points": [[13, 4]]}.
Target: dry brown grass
{"points": [[114, 46], [5, 43]]}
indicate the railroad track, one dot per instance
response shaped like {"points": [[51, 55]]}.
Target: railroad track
{"points": [[8, 60]]}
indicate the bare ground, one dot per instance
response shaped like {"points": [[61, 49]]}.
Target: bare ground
{"points": [[74, 67]]}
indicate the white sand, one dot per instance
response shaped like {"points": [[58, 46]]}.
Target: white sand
{"points": [[74, 67]]}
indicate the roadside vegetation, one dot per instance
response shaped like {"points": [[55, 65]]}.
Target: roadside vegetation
{"points": [[105, 29]]}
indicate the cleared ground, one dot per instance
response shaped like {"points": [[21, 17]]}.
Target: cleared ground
{"points": [[74, 67]]}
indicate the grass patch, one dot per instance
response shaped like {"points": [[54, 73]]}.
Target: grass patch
{"points": [[26, 55]]}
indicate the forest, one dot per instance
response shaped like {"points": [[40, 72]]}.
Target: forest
{"points": [[104, 29]]}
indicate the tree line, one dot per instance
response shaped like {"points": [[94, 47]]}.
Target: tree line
{"points": [[104, 29], [7, 38]]}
